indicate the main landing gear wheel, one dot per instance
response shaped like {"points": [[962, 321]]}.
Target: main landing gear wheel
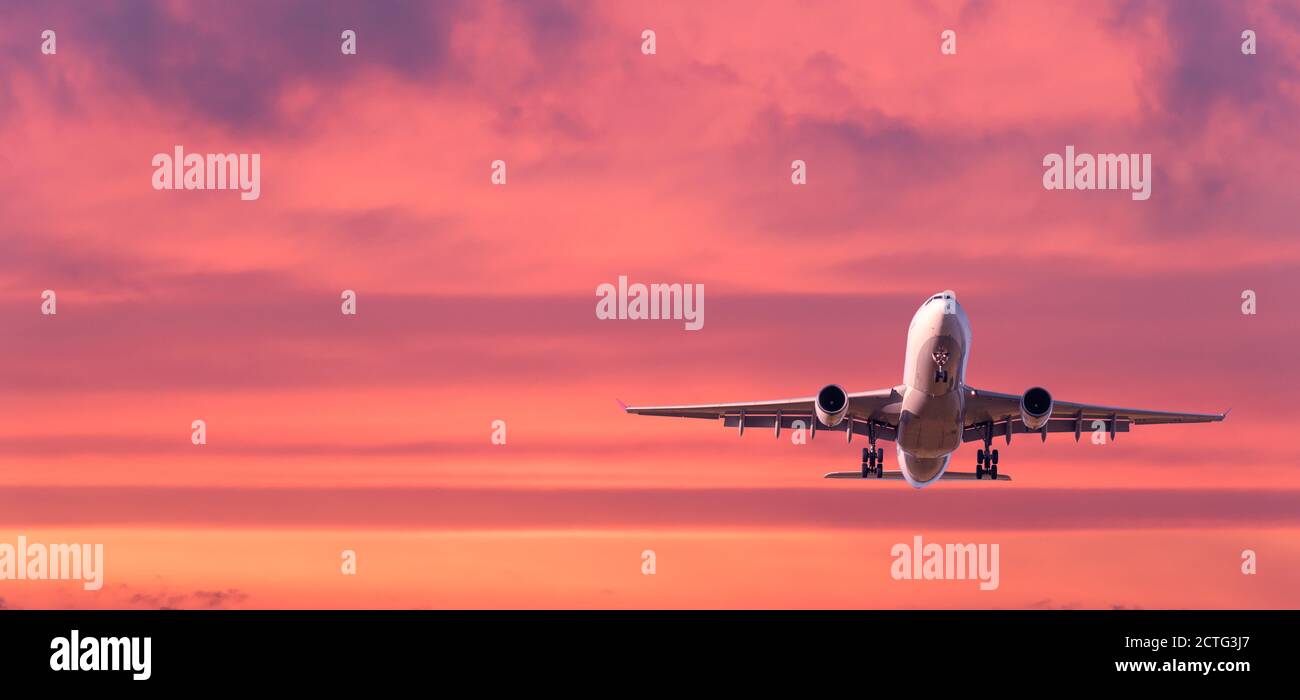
{"points": [[986, 462], [873, 463]]}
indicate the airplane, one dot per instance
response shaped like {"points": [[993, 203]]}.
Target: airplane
{"points": [[932, 412]]}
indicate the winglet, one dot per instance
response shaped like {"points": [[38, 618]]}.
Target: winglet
{"points": [[621, 405], [1225, 414]]}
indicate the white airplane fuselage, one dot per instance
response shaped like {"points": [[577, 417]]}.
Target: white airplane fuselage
{"points": [[930, 420]]}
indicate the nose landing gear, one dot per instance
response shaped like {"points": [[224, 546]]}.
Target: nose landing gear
{"points": [[940, 357], [873, 462]]}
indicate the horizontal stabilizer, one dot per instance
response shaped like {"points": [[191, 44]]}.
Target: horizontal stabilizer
{"points": [[970, 476], [898, 476]]}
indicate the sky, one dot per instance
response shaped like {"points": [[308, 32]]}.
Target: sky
{"points": [[475, 302]]}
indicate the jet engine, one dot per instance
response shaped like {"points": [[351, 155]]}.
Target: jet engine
{"points": [[1035, 408], [831, 405]]}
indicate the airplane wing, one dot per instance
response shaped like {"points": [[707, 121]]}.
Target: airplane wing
{"points": [[869, 411], [990, 412]]}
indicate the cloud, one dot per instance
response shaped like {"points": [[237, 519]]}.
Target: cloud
{"points": [[1208, 72], [578, 509], [924, 174], [210, 600], [233, 62], [229, 597]]}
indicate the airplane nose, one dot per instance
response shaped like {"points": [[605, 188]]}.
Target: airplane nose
{"points": [[938, 308], [921, 471]]}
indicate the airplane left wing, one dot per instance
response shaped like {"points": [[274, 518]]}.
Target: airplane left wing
{"points": [[868, 413], [999, 414]]}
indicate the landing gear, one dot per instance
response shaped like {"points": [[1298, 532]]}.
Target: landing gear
{"points": [[940, 356], [873, 463], [986, 462]]}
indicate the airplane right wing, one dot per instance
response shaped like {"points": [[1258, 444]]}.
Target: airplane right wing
{"points": [[868, 413]]}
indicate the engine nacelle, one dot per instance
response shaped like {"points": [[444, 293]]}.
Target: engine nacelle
{"points": [[832, 404], [1035, 408]]}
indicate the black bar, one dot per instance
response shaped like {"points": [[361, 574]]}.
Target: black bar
{"points": [[1021, 647]]}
